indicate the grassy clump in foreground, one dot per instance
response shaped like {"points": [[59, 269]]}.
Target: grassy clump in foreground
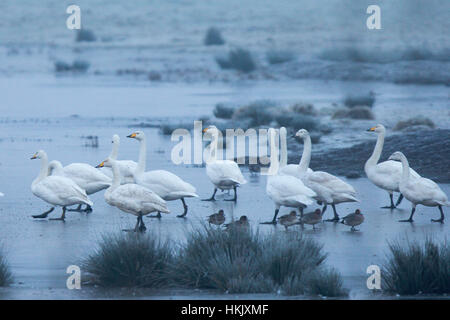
{"points": [[128, 259], [5, 274], [417, 268], [243, 261], [233, 261], [238, 59]]}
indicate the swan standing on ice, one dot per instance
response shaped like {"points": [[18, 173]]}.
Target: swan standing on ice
{"points": [[385, 175], [131, 198], [56, 190], [164, 183], [224, 174], [420, 190], [126, 167], [285, 190], [329, 189], [85, 176], [290, 169]]}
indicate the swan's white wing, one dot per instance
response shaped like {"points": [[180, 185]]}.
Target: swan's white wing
{"points": [[136, 199], [224, 170], [166, 184], [388, 174], [331, 182], [285, 188], [422, 190], [59, 190]]}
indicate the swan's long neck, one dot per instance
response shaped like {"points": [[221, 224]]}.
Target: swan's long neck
{"points": [[116, 176], [114, 151], [214, 145], [142, 156], [405, 169], [283, 156], [274, 161], [306, 155], [375, 157], [43, 172]]}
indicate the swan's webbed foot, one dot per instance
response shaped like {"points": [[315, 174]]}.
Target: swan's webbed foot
{"points": [[185, 207], [406, 220], [63, 216], [441, 220], [392, 206], [334, 219], [388, 207], [269, 222], [212, 197], [158, 216], [43, 215]]}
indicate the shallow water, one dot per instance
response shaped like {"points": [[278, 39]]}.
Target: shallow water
{"points": [[40, 251]]}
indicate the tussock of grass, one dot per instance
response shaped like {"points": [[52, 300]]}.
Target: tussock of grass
{"points": [[77, 66], [417, 268], [222, 111], [414, 122], [297, 121], [85, 35], [234, 261], [277, 56], [213, 37], [364, 100], [126, 260], [238, 59], [260, 112], [5, 274], [357, 113]]}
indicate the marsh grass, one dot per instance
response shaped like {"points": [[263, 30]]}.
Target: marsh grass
{"points": [[129, 260], [239, 260], [279, 56], [5, 273], [238, 59], [363, 100], [297, 121], [260, 112], [213, 37], [222, 111], [417, 268]]}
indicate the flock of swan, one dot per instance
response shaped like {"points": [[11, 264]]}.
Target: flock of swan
{"points": [[133, 190]]}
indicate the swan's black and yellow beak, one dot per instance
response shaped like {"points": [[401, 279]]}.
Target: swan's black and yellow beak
{"points": [[371, 129], [133, 135], [34, 156], [101, 165]]}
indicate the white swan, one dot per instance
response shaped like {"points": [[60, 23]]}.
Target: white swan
{"points": [[290, 169], [126, 167], [56, 190], [285, 190], [164, 183], [85, 176], [419, 190], [132, 198], [224, 174], [329, 188], [385, 175]]}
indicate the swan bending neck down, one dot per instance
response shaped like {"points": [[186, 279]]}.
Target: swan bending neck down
{"points": [[132, 198], [224, 174], [329, 188], [387, 174], [164, 183], [56, 190], [419, 190], [293, 169], [285, 190]]}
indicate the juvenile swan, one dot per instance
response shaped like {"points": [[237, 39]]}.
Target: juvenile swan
{"points": [[387, 174], [224, 174], [420, 190], [56, 190], [85, 176], [285, 190], [132, 198], [329, 189], [164, 183]]}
